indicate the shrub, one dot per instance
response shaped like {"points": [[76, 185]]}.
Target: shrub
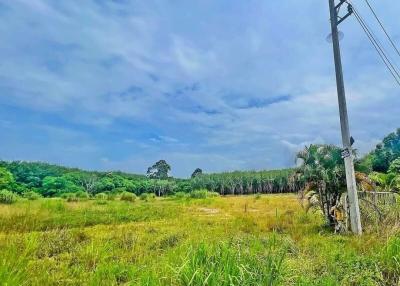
{"points": [[111, 196], [180, 195], [70, 197], [257, 196], [101, 196], [7, 197], [31, 195], [203, 194], [147, 196], [199, 194], [213, 194], [129, 197], [82, 195]]}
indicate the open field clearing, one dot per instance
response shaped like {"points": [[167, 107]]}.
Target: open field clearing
{"points": [[245, 240]]}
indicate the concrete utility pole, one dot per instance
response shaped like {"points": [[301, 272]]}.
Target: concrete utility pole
{"points": [[355, 220]]}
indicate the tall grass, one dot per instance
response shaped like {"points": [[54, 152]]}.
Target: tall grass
{"points": [[215, 241], [231, 263]]}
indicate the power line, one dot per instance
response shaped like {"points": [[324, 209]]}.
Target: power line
{"points": [[392, 69], [375, 42], [383, 28]]}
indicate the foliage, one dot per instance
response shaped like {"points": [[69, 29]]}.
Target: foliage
{"points": [[322, 169], [203, 194], [31, 195], [196, 173], [129, 197], [159, 170], [6, 178], [101, 196], [180, 195], [235, 183], [386, 182], [386, 152], [82, 195], [395, 166], [7, 197], [70, 197], [233, 263], [146, 196]]}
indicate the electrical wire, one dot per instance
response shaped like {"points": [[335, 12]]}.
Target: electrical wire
{"points": [[383, 28], [392, 69]]}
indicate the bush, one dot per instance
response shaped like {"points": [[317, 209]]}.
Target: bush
{"points": [[111, 196], [70, 197], [199, 194], [31, 195], [180, 195], [213, 194], [203, 194], [82, 195], [7, 197], [129, 197], [101, 196], [147, 196]]}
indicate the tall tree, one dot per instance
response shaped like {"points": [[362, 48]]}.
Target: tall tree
{"points": [[197, 172], [160, 170]]}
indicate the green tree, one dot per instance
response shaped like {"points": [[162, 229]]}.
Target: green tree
{"points": [[395, 166], [197, 172], [83, 179], [322, 170], [386, 152], [58, 185], [160, 170], [6, 179], [105, 184]]}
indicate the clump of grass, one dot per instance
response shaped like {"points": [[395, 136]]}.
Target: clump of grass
{"points": [[180, 195], [53, 205], [128, 197], [147, 196], [32, 196], [257, 196], [203, 194], [169, 241], [14, 262], [69, 197], [390, 260], [7, 197], [58, 241], [82, 195], [231, 263], [101, 196]]}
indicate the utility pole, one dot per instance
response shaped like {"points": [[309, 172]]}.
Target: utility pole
{"points": [[347, 153]]}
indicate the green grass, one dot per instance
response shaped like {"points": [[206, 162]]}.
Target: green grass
{"points": [[248, 240]]}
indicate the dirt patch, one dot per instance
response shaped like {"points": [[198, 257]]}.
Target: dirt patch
{"points": [[209, 211]]}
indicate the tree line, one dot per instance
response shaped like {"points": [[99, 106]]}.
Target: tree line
{"points": [[382, 166]]}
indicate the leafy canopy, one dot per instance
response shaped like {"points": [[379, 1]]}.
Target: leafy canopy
{"points": [[160, 170]]}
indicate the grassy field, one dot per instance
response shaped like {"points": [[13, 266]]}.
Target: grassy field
{"points": [[245, 240]]}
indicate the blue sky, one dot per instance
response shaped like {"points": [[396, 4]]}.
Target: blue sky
{"points": [[221, 85]]}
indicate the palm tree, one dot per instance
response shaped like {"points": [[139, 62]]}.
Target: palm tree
{"points": [[323, 174]]}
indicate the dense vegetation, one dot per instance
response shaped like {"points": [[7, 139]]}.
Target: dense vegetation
{"points": [[382, 165], [53, 181]]}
